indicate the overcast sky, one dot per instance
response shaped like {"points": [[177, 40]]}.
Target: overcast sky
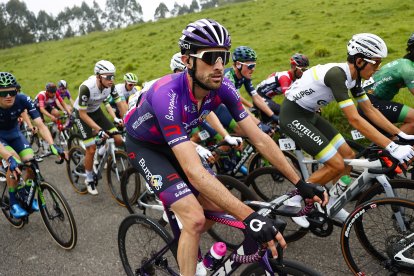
{"points": [[55, 6]]}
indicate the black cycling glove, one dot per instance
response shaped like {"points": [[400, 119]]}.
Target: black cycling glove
{"points": [[260, 228], [308, 190], [265, 128], [275, 118]]}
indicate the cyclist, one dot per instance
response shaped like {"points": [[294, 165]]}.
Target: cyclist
{"points": [[90, 118], [14, 144], [244, 63], [278, 82], [158, 145], [46, 102], [387, 82], [176, 64], [64, 93], [325, 83]]}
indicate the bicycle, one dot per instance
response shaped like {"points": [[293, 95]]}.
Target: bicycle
{"points": [[159, 254], [378, 237], [54, 209], [373, 181], [116, 162]]}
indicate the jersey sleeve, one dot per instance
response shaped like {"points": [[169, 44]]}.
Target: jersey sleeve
{"points": [[116, 95], [284, 82], [230, 97], [41, 100], [249, 87], [335, 79], [30, 107], [169, 117], [84, 95], [59, 98], [407, 73]]}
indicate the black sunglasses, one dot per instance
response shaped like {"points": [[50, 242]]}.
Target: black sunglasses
{"points": [[108, 77], [12, 93], [211, 57]]}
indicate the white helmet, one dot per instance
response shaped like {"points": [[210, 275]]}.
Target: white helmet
{"points": [[104, 67], [369, 45], [176, 62], [62, 83]]}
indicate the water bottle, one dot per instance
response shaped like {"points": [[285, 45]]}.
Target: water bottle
{"points": [[214, 257], [340, 186], [243, 169]]}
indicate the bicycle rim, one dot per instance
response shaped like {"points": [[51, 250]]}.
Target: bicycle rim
{"points": [[76, 169], [371, 237], [114, 173], [130, 188], [139, 238], [5, 203], [57, 216]]}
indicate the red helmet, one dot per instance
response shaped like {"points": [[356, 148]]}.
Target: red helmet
{"points": [[299, 60]]}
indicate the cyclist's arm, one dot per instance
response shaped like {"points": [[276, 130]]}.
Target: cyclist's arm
{"points": [[261, 104], [246, 102], [45, 112], [268, 148], [4, 153], [43, 130], [123, 107], [62, 105], [26, 119], [110, 110], [206, 183], [215, 123]]}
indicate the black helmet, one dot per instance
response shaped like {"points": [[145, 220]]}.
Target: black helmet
{"points": [[410, 42], [51, 87], [299, 60], [7, 80]]}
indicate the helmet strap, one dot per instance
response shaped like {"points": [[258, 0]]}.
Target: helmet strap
{"points": [[102, 85]]}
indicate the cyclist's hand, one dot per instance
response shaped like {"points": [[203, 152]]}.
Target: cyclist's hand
{"points": [[58, 151], [118, 121], [312, 191], [14, 166], [263, 230], [275, 118], [102, 134], [401, 152], [33, 130], [205, 153], [265, 128], [54, 119], [234, 141]]}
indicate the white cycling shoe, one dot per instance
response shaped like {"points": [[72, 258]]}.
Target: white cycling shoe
{"points": [[301, 221]]}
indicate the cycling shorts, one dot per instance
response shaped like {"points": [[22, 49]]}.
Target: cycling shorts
{"points": [[48, 108], [310, 131], [14, 140], [393, 111], [161, 170], [85, 130]]}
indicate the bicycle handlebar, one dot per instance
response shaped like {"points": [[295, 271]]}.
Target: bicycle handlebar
{"points": [[111, 135], [388, 169]]}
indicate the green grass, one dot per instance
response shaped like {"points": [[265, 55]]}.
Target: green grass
{"points": [[275, 29]]}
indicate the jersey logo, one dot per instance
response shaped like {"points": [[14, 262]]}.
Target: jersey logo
{"points": [[172, 130]]}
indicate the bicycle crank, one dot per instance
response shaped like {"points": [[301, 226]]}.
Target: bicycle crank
{"points": [[320, 225]]}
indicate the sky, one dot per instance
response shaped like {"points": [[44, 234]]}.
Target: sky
{"points": [[55, 6]]}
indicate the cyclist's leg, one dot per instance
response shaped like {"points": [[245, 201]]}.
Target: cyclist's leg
{"points": [[407, 117], [161, 170]]}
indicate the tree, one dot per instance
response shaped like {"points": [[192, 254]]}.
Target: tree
{"points": [[194, 7], [207, 4], [161, 11], [122, 13]]}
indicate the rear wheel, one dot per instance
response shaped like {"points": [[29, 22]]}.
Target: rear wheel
{"points": [[114, 172], [131, 188], [286, 267], [5, 203], [136, 231], [57, 216], [76, 170]]}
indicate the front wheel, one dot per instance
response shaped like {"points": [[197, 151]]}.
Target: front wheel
{"points": [[114, 172], [57, 216], [5, 203], [377, 237], [286, 267], [76, 169], [130, 188], [138, 230]]}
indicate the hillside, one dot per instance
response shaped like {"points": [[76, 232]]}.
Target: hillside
{"points": [[275, 29]]}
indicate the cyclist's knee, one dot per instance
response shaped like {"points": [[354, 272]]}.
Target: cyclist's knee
{"points": [[118, 140], [91, 149]]}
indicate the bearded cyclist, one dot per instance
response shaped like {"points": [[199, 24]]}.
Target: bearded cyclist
{"points": [[387, 82], [90, 119], [15, 147], [159, 146]]}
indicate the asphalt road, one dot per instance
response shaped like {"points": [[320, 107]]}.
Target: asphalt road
{"points": [[31, 251]]}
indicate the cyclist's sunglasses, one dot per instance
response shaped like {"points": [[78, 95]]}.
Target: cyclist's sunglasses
{"points": [[211, 57], [108, 77], [375, 63], [302, 69], [249, 66], [11, 93]]}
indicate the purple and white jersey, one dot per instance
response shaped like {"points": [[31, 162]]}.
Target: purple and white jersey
{"points": [[167, 112]]}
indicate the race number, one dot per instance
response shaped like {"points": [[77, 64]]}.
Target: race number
{"points": [[287, 144], [204, 135], [356, 135]]}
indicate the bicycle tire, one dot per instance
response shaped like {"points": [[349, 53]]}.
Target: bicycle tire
{"points": [[35, 143], [403, 188], [224, 233], [114, 173], [286, 267], [5, 203], [263, 182], [130, 191], [75, 139], [55, 213], [74, 168], [149, 237], [370, 237]]}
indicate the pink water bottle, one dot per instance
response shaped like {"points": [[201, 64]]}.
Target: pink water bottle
{"points": [[214, 257]]}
